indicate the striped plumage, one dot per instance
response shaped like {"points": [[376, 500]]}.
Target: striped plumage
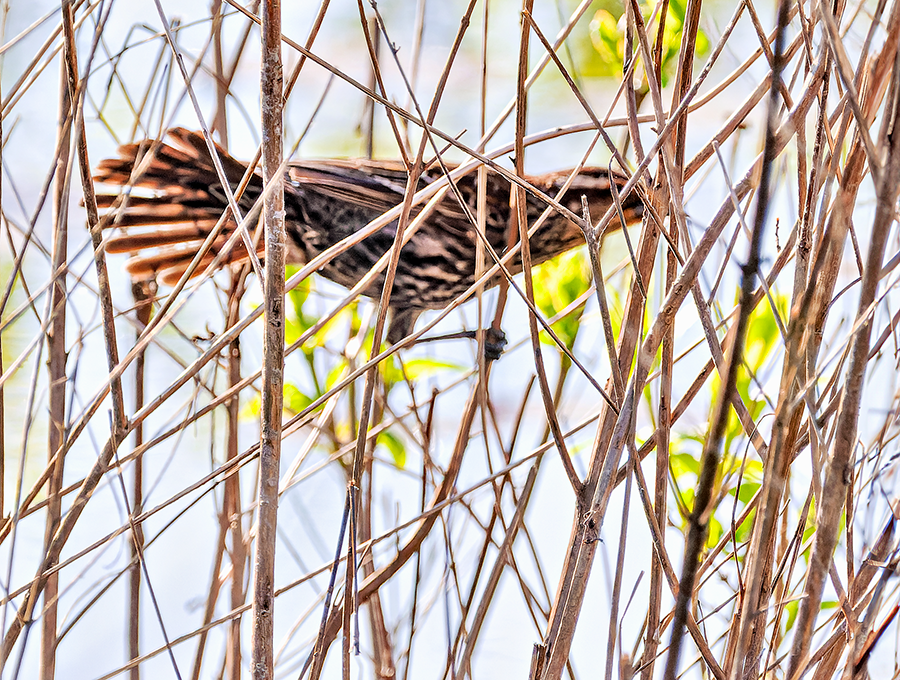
{"points": [[181, 200]]}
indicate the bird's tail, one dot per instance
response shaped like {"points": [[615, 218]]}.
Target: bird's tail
{"points": [[169, 202]]}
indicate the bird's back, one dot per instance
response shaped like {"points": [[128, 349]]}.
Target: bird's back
{"points": [[175, 200]]}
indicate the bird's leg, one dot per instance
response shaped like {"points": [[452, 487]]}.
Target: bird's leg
{"points": [[403, 321], [494, 340]]}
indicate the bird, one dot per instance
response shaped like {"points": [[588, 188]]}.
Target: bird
{"points": [[164, 197]]}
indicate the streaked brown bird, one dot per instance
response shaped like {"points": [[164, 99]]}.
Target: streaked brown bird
{"points": [[181, 200]]}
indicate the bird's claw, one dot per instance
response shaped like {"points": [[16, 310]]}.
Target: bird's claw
{"points": [[494, 343]]}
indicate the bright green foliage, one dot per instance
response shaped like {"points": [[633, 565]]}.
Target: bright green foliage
{"points": [[422, 368], [751, 481], [325, 375], [762, 342], [682, 464], [298, 321], [336, 374], [557, 284], [791, 607], [810, 528], [294, 400], [672, 38], [608, 38], [763, 332], [609, 43], [389, 369], [685, 468], [763, 339], [395, 447]]}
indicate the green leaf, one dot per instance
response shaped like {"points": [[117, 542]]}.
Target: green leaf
{"points": [[714, 532], [337, 372], [295, 400], [394, 446], [390, 370], [810, 528], [682, 464], [300, 294], [558, 283], [763, 333], [423, 368], [745, 529], [608, 41], [792, 608]]}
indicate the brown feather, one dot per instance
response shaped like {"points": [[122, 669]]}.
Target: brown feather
{"points": [[175, 199]]}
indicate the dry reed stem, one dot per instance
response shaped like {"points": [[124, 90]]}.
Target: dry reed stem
{"points": [[700, 513], [57, 376], [272, 392]]}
